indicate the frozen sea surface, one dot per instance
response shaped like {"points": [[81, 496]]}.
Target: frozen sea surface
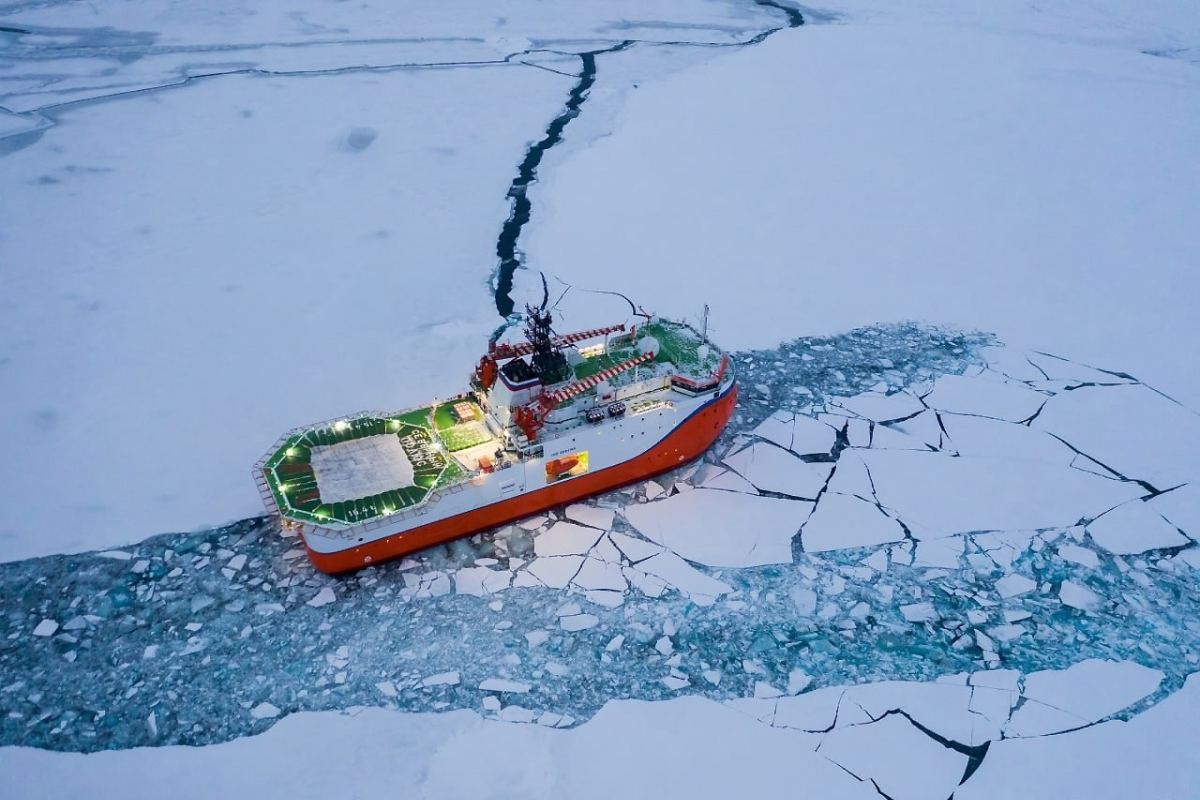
{"points": [[216, 635], [923, 564]]}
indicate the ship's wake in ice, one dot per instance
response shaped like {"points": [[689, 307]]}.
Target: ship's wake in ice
{"points": [[899, 502]]}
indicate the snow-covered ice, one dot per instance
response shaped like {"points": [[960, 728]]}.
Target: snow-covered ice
{"points": [[774, 469], [1007, 401], [565, 539], [902, 760], [1084, 693], [1039, 549], [707, 526], [1134, 528], [184, 332], [843, 521], [939, 495]]}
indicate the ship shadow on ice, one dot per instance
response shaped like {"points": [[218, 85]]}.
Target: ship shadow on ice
{"points": [[204, 637]]}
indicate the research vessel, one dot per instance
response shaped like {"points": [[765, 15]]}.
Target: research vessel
{"points": [[544, 422]]}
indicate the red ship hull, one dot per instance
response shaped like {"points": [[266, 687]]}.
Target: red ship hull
{"points": [[689, 440]]}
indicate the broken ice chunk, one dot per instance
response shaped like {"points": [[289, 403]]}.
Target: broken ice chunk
{"points": [[920, 612], [923, 428], [798, 681], [979, 436], [858, 433], [596, 574], [441, 679], [812, 437], [1006, 633], [812, 711], [504, 685], [805, 600], [852, 477], [1078, 555], [555, 571], [1014, 585], [322, 598], [777, 428], [265, 711], [46, 627], [878, 560], [675, 572], [480, 581], [578, 622], [566, 539], [1080, 597], [937, 494]]}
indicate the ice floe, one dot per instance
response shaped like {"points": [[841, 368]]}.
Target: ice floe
{"points": [[901, 759], [709, 526], [842, 521], [939, 495], [1078, 596], [1058, 700], [1130, 429], [774, 469], [959, 394], [1134, 528], [566, 539], [592, 516], [880, 407]]}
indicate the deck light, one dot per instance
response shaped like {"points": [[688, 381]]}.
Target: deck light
{"points": [[340, 425]]}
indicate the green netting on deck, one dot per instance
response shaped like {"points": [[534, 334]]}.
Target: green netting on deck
{"points": [[680, 346], [590, 366], [294, 484]]}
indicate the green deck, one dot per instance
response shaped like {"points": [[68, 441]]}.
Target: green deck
{"points": [[293, 483], [681, 347], [677, 345]]}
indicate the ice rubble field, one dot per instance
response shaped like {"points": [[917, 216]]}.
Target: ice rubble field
{"points": [[882, 598], [917, 564]]}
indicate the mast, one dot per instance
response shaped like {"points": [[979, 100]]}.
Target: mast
{"points": [[548, 360]]}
